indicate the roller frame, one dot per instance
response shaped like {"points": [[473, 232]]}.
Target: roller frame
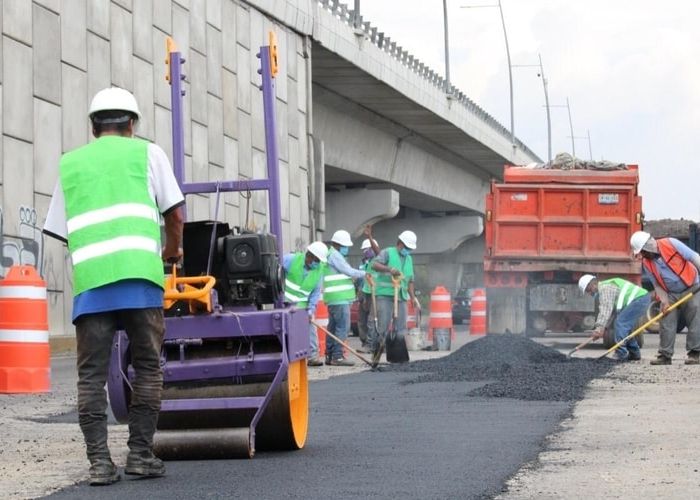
{"points": [[285, 325]]}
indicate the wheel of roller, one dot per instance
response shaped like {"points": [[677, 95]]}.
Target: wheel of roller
{"points": [[285, 423]]}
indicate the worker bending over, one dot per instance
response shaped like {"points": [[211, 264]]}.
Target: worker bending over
{"points": [[620, 305], [673, 269], [302, 286]]}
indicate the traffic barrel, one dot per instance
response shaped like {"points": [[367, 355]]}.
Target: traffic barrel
{"points": [[25, 359], [477, 322], [410, 315], [321, 319], [440, 311]]}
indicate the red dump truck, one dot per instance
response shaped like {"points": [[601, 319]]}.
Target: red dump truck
{"points": [[544, 229]]}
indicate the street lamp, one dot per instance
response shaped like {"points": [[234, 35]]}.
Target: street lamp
{"points": [[588, 138], [510, 70], [448, 87], [571, 126], [546, 101]]}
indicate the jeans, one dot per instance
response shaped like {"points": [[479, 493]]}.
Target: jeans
{"points": [[94, 336], [338, 325], [313, 341], [363, 316], [626, 322], [669, 324], [385, 311]]}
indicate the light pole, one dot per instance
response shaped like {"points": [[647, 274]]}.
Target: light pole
{"points": [[546, 101], [510, 67], [588, 138], [448, 87], [571, 125]]}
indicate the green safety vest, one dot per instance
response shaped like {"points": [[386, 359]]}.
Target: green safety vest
{"points": [[383, 280], [338, 288], [628, 291], [367, 267], [297, 286], [112, 221]]}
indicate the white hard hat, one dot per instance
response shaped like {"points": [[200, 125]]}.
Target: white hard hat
{"points": [[366, 244], [342, 237], [584, 281], [638, 240], [319, 250], [114, 98], [409, 239]]}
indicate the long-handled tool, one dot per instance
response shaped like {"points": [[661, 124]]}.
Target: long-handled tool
{"points": [[396, 350], [581, 345], [377, 352], [653, 320], [342, 343]]}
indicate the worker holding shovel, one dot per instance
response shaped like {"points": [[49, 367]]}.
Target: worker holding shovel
{"points": [[673, 269], [620, 305], [392, 262]]}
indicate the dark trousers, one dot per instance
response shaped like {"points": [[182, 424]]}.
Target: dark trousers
{"points": [[94, 335]]}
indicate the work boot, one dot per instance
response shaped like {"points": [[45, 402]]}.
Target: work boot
{"points": [[103, 472], [145, 464], [693, 358], [621, 355], [661, 360], [341, 362], [634, 354], [315, 361]]}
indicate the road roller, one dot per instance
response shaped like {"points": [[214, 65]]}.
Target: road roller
{"points": [[234, 354]]}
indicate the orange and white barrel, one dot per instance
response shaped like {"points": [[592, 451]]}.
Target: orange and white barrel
{"points": [[440, 311], [322, 319], [477, 322], [25, 358]]}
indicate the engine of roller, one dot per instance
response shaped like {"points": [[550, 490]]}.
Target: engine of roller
{"points": [[233, 355]]}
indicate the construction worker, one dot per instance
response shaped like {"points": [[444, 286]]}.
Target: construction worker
{"points": [[393, 263], [338, 294], [106, 205], [370, 249], [302, 286], [620, 305], [672, 268]]}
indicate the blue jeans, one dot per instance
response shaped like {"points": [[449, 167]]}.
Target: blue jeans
{"points": [[313, 341], [338, 325], [627, 320]]}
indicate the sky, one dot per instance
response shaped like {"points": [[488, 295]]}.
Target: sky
{"points": [[630, 69]]}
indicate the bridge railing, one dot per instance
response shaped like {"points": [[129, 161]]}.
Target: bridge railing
{"points": [[342, 12]]}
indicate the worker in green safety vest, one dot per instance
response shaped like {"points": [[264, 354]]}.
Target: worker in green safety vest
{"points": [[370, 249], [393, 263], [338, 294], [302, 286], [107, 205], [621, 304]]}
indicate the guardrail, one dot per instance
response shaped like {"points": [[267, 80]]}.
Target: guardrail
{"points": [[343, 13]]}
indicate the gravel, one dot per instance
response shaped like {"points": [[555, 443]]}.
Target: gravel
{"points": [[515, 367]]}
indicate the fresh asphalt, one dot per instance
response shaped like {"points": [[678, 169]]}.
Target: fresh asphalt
{"points": [[372, 437]]}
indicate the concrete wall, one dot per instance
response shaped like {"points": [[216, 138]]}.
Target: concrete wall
{"points": [[56, 54]]}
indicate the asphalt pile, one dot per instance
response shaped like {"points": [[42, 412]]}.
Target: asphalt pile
{"points": [[514, 367]]}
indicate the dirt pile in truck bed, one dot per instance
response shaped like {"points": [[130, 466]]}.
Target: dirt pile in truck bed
{"points": [[515, 367]]}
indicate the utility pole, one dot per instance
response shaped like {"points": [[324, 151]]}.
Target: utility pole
{"points": [[546, 101], [448, 86], [571, 125]]}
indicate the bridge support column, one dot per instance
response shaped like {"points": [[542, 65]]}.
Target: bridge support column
{"points": [[352, 209]]}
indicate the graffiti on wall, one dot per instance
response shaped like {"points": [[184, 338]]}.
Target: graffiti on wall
{"points": [[25, 246]]}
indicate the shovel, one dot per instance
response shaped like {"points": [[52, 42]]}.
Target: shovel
{"points": [[396, 350], [653, 320], [360, 356], [581, 346], [377, 354]]}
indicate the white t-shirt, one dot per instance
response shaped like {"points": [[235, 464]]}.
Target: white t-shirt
{"points": [[162, 187]]}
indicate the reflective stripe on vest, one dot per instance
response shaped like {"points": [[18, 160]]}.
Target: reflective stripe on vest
{"points": [[337, 287], [685, 270], [384, 284], [628, 291], [111, 217]]}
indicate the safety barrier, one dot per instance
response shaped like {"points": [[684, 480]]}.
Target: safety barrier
{"points": [[25, 359], [477, 323], [440, 311], [322, 319]]}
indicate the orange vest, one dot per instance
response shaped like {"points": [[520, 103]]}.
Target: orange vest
{"points": [[685, 270]]}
